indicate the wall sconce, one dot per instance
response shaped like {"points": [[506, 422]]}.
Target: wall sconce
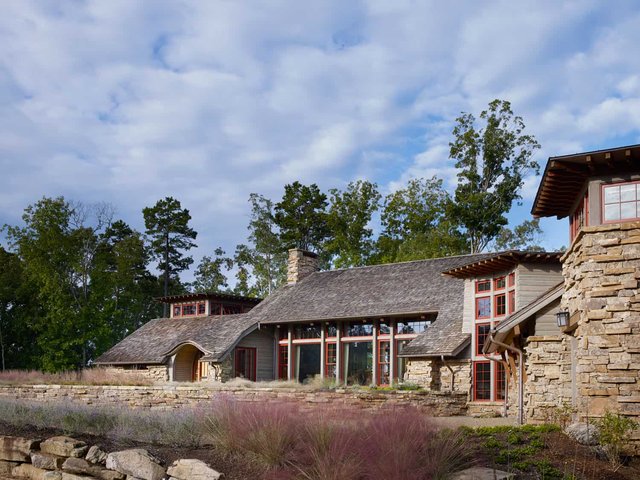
{"points": [[562, 318]]}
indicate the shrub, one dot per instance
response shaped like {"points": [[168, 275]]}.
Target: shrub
{"points": [[615, 431], [89, 376]]}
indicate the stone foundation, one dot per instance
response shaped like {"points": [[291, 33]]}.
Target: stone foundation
{"points": [[437, 376], [156, 373], [174, 396]]}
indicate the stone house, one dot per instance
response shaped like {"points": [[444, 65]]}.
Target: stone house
{"points": [[589, 358]]}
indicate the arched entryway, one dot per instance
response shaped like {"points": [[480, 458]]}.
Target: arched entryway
{"points": [[187, 365]]}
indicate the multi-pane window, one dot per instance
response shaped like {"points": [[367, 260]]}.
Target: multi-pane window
{"points": [[483, 286], [359, 329], [501, 304], [189, 309], [499, 283], [621, 202], [483, 307], [306, 331], [482, 332], [330, 362], [512, 280], [412, 326], [201, 308], [332, 330], [383, 328], [283, 362], [501, 381], [177, 310], [482, 381], [384, 362]]}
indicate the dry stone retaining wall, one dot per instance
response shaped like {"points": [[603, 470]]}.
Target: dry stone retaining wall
{"points": [[174, 396]]}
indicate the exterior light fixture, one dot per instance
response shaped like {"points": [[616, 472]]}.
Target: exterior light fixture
{"points": [[562, 318]]}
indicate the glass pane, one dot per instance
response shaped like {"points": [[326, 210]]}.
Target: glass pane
{"points": [[612, 212], [628, 210], [306, 331], [358, 362], [359, 329], [611, 194], [307, 362], [384, 329], [627, 193], [483, 307]]}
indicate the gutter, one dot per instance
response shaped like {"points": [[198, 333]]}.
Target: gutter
{"points": [[520, 376]]}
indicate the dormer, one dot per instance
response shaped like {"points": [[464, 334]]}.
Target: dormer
{"points": [[591, 188], [204, 304]]}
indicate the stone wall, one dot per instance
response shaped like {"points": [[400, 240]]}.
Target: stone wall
{"points": [[437, 376], [156, 373], [175, 396]]}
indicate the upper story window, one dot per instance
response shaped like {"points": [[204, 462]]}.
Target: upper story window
{"points": [[306, 331], [483, 286], [483, 307], [359, 329], [412, 326], [621, 201], [189, 309], [499, 283]]}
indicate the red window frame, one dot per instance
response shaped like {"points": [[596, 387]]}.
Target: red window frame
{"points": [[483, 283], [478, 316], [481, 336], [499, 283], [253, 365], [482, 389], [177, 310], [283, 362], [512, 301], [603, 187], [501, 381], [383, 361], [512, 280], [500, 305]]}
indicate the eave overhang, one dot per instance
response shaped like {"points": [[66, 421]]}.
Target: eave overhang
{"points": [[502, 262], [186, 297], [565, 176]]}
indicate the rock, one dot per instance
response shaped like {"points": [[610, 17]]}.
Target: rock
{"points": [[96, 455], [82, 467], [46, 461], [583, 433], [64, 446], [137, 463], [16, 449], [7, 467], [29, 472], [73, 476], [482, 473], [53, 476], [191, 469]]}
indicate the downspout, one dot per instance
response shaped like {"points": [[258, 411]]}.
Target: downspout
{"points": [[520, 376], [450, 369]]}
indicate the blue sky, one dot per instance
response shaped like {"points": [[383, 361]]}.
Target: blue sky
{"points": [[131, 101]]}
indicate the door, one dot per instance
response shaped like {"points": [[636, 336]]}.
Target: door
{"points": [[245, 363]]}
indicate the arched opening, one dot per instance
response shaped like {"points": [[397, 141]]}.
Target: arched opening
{"points": [[186, 366]]}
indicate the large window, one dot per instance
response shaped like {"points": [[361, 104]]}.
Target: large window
{"points": [[307, 361], [501, 381], [501, 304], [330, 361], [483, 307], [189, 309], [283, 362], [384, 363], [621, 202], [306, 331], [358, 362], [356, 329], [482, 381], [482, 333], [409, 327]]}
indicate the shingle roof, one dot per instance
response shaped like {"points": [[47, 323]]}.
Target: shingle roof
{"points": [[214, 335], [378, 291]]}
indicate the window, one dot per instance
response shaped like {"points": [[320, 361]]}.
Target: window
{"points": [[501, 304], [306, 331], [501, 381], [177, 310], [383, 328], [482, 381], [231, 309], [359, 329], [512, 301], [412, 327], [189, 309], [384, 362], [245, 363], [201, 308], [499, 283], [283, 333], [483, 286], [620, 202], [482, 333], [283, 362], [483, 307], [512, 280], [330, 361], [332, 330]]}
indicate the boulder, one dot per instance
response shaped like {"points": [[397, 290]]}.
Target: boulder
{"points": [[583, 433], [46, 461], [28, 471], [64, 446], [73, 476], [6, 468], [96, 455], [136, 462], [16, 449], [191, 469], [82, 467]]}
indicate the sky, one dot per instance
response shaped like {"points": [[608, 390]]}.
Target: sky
{"points": [[128, 102]]}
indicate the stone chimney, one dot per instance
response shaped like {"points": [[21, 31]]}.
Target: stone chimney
{"points": [[301, 264]]}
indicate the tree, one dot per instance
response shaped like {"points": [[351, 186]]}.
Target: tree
{"points": [[348, 220], [209, 276], [492, 159], [261, 265], [302, 218], [416, 224], [167, 224], [523, 237]]}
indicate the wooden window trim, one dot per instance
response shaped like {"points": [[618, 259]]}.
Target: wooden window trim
{"points": [[475, 381], [511, 282], [478, 282], [380, 364], [495, 305], [495, 283], [478, 348], [477, 314], [500, 379]]}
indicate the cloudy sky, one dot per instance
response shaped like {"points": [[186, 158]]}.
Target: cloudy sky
{"points": [[207, 101]]}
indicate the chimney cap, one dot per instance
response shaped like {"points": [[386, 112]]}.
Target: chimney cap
{"points": [[305, 253]]}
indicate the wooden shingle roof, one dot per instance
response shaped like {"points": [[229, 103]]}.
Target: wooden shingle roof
{"points": [[150, 344]]}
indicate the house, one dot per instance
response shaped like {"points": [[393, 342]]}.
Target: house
{"points": [[590, 359]]}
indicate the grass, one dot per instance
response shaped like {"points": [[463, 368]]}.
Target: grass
{"points": [[91, 376]]}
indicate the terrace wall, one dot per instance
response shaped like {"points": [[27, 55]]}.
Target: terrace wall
{"points": [[174, 396]]}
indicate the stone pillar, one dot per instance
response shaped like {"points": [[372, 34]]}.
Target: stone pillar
{"points": [[300, 265]]}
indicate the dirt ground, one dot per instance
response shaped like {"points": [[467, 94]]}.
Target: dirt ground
{"points": [[573, 460]]}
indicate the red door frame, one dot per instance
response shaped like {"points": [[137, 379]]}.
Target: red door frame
{"points": [[252, 351]]}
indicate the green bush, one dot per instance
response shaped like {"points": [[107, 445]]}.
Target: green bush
{"points": [[615, 431]]}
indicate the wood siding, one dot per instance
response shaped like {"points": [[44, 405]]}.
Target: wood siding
{"points": [[532, 280], [264, 343], [546, 320], [183, 364], [469, 308]]}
